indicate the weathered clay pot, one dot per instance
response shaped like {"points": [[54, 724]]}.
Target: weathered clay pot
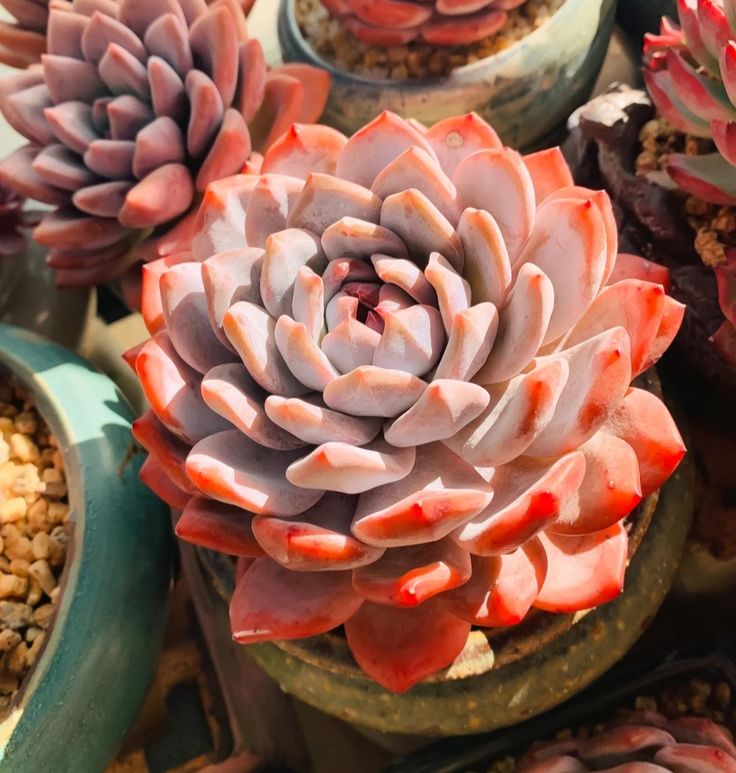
{"points": [[502, 676], [84, 692], [525, 91]]}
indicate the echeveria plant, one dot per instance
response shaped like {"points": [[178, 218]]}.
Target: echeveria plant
{"points": [[438, 22], [690, 73], [134, 110], [644, 742], [395, 376]]}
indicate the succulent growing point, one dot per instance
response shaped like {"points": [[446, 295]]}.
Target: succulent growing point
{"points": [[23, 41], [644, 741], [134, 110], [438, 22], [396, 378]]}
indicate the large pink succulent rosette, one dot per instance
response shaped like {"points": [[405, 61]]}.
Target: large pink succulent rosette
{"points": [[437, 22], [396, 377], [137, 106]]}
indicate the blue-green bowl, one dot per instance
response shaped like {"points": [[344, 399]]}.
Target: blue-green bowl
{"points": [[86, 688], [526, 91]]}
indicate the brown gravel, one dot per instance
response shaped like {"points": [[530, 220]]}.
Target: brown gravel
{"points": [[714, 225], [34, 531], [336, 45]]}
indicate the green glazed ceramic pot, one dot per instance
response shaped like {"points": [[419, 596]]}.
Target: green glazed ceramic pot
{"points": [[86, 688], [525, 91]]}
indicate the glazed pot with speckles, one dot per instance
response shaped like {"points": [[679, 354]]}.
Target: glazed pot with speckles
{"points": [[76, 705], [504, 675], [526, 91]]}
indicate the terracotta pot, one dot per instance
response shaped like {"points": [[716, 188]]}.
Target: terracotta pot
{"points": [[76, 705], [503, 676], [525, 91]]}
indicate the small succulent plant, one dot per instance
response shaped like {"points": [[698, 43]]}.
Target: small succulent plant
{"points": [[690, 73], [644, 742], [23, 41], [395, 376], [137, 106], [438, 22]]}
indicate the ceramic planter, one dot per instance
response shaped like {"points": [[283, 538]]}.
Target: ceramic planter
{"points": [[525, 91], [502, 678], [84, 692]]}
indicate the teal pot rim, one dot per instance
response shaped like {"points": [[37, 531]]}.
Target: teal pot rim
{"points": [[527, 91], [85, 690]]}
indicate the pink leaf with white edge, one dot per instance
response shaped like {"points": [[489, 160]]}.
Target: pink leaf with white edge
{"points": [[422, 227], [415, 168], [498, 182], [349, 469], [634, 267], [700, 94], [230, 468], [714, 26], [549, 172], [643, 421], [168, 450], [217, 526], [529, 496], [636, 306], [186, 317], [487, 268], [519, 411], [400, 647], [375, 146], [575, 229], [452, 291], [444, 408], [440, 493], [271, 602], [523, 324], [472, 335], [319, 540], [727, 59], [600, 373], [724, 136], [583, 572], [609, 491], [152, 475], [230, 392], [687, 12], [502, 589], [659, 86], [372, 391], [172, 389], [308, 302], [455, 138], [351, 238], [230, 277], [252, 332], [304, 149], [315, 424], [709, 177], [411, 576]]}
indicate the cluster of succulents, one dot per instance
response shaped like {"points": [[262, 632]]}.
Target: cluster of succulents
{"points": [[395, 379], [643, 741], [690, 74], [437, 22], [133, 111]]}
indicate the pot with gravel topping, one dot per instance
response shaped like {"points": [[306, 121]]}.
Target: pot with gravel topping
{"points": [[525, 68], [85, 559]]}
